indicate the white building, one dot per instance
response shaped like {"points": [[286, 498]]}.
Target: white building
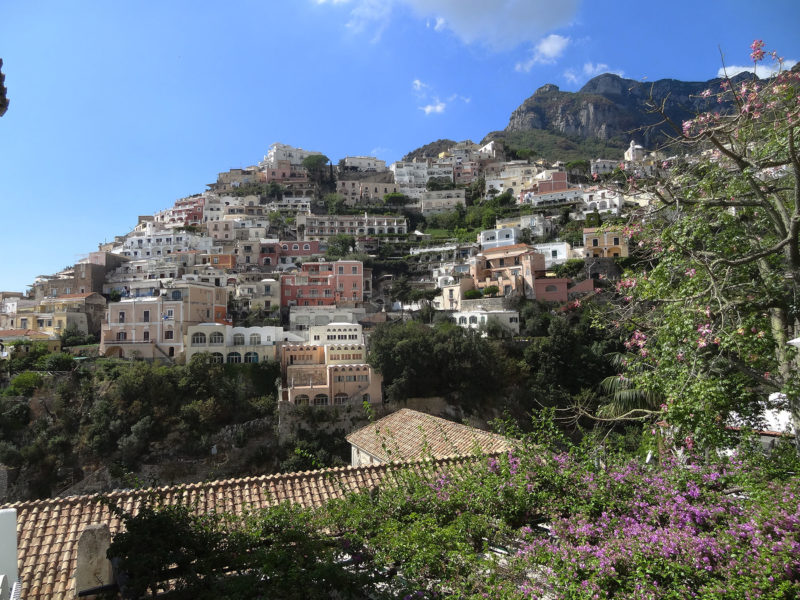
{"points": [[336, 333], [278, 151], [235, 344], [555, 253], [603, 166], [503, 236], [151, 240], [480, 317], [364, 163], [604, 201]]}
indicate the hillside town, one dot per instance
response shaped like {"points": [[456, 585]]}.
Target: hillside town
{"points": [[258, 243]]}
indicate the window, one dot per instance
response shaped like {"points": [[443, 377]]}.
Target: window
{"points": [[146, 336], [234, 358], [554, 253], [255, 339], [473, 320], [170, 313], [595, 242], [121, 317], [217, 358], [341, 270], [355, 270], [550, 288], [238, 339], [340, 398], [168, 334], [121, 336], [198, 339], [251, 357], [462, 320], [321, 400], [616, 241], [23, 323], [301, 399], [146, 316], [365, 398], [216, 339]]}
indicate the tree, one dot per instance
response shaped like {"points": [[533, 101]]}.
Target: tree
{"points": [[340, 245], [319, 171], [334, 203], [396, 199], [491, 291], [439, 183], [714, 300]]}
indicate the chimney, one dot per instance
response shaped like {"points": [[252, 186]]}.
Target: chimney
{"points": [[9, 575], [93, 569]]}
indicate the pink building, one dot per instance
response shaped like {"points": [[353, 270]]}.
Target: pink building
{"points": [[512, 269], [274, 253], [329, 375], [324, 283], [154, 326]]}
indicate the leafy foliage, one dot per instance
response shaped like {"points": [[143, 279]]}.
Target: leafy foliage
{"points": [[710, 306], [546, 519]]}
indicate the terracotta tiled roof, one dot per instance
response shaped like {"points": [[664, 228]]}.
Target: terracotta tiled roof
{"points": [[512, 248], [48, 530], [411, 435]]}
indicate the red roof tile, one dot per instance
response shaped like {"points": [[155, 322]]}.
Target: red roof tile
{"points": [[411, 435]]}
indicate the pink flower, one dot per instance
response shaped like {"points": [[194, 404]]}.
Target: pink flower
{"points": [[690, 272], [705, 93], [757, 48]]}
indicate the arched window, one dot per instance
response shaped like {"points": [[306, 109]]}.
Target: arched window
{"points": [[238, 339], [473, 320], [462, 320], [340, 398], [198, 339], [301, 400], [306, 246], [321, 400], [267, 261], [216, 357], [255, 339], [216, 339], [251, 357], [234, 358]]}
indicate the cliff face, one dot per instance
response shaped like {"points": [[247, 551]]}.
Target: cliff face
{"points": [[609, 107]]}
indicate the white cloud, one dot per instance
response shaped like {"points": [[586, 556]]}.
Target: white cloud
{"points": [[762, 70], [588, 71], [418, 85], [547, 51], [499, 24], [436, 108]]}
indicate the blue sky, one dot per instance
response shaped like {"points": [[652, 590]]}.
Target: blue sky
{"points": [[120, 108]]}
